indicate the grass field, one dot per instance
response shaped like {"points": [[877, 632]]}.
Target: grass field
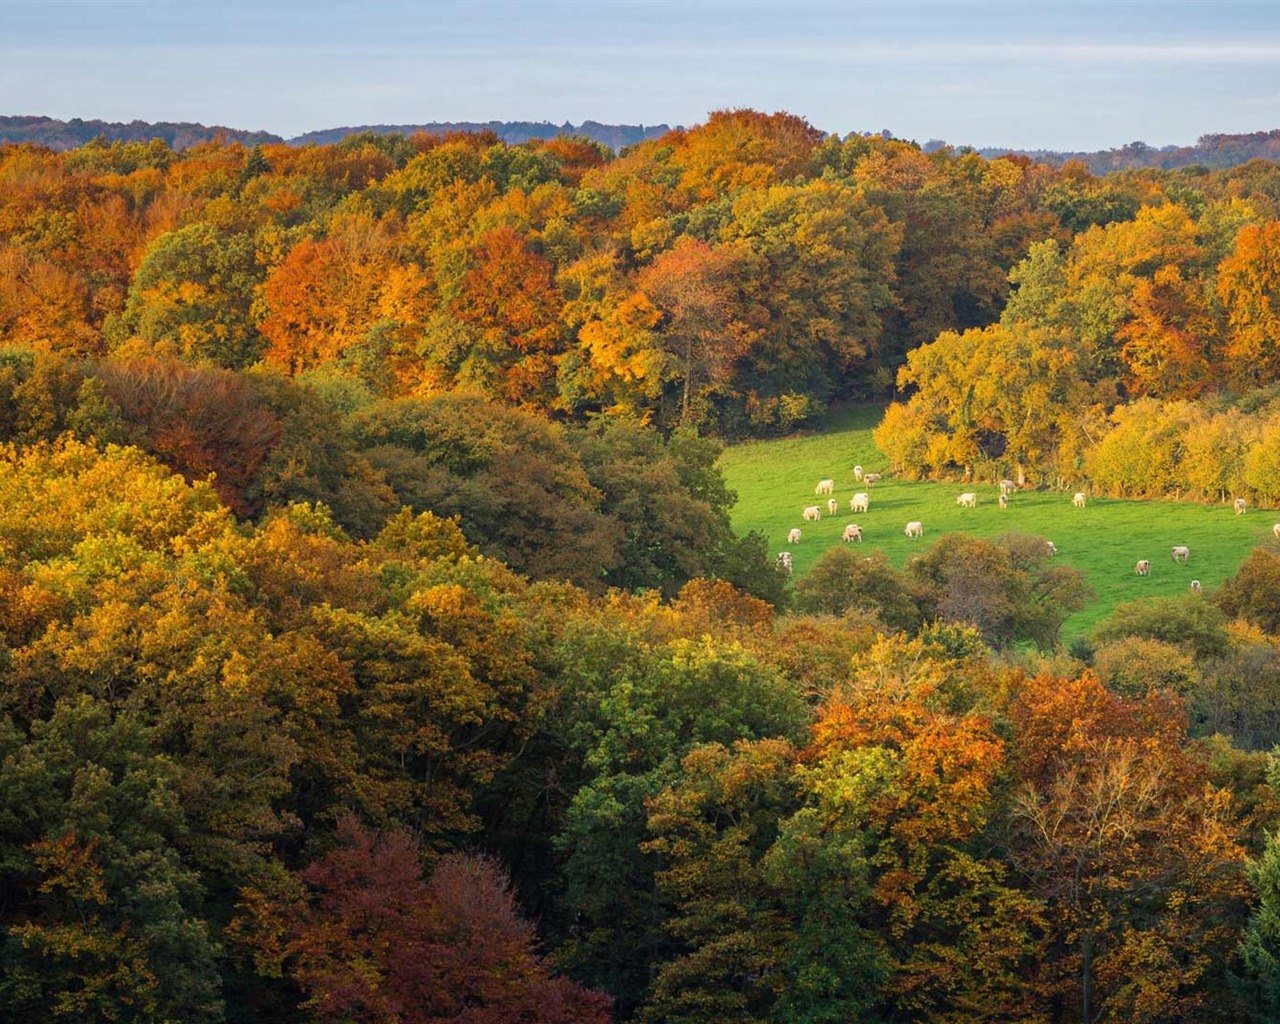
{"points": [[775, 480]]}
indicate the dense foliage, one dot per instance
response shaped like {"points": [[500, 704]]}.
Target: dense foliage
{"points": [[263, 772], [374, 645], [740, 274], [1141, 359]]}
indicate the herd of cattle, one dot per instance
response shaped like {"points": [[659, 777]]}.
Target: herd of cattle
{"points": [[861, 502]]}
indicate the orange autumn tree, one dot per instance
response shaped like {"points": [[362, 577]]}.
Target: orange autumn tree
{"points": [[1117, 828], [1249, 287], [707, 322], [737, 149], [617, 363], [852, 880], [508, 297], [909, 754], [44, 306], [324, 299], [1170, 339]]}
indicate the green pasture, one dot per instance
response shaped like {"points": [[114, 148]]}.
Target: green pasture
{"points": [[775, 480]]}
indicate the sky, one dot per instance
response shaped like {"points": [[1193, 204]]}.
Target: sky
{"points": [[1066, 76]]}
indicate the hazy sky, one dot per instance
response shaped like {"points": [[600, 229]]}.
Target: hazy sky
{"points": [[1054, 75]]}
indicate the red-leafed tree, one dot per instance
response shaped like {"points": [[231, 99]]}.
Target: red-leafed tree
{"points": [[372, 942]]}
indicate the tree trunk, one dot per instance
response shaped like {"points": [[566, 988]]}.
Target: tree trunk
{"points": [[1086, 979]]}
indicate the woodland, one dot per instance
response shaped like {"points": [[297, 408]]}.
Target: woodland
{"points": [[375, 645]]}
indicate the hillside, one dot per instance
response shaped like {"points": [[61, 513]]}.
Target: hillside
{"points": [[615, 136], [61, 136], [774, 480], [379, 636], [1216, 152]]}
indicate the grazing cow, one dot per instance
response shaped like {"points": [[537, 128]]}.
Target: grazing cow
{"points": [[793, 537], [1051, 547], [967, 500], [812, 514], [914, 529], [1078, 500], [852, 532], [1275, 530], [1004, 500], [1195, 586], [1007, 487], [783, 562], [860, 502], [833, 506], [857, 473], [871, 478], [1143, 568], [825, 487], [1239, 506], [1181, 553]]}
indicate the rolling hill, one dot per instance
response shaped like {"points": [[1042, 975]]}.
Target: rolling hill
{"points": [[775, 480]]}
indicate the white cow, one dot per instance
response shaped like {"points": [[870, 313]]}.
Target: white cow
{"points": [[1078, 500], [1007, 487], [1181, 553], [914, 529], [833, 506], [1195, 586], [793, 536], [857, 472], [825, 487], [852, 532], [860, 502], [871, 478], [1275, 530], [812, 514], [1239, 506], [1143, 568], [1051, 547], [967, 500], [1004, 500]]}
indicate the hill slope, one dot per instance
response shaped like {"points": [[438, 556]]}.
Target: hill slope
{"points": [[615, 136], [1217, 152], [775, 480], [61, 136]]}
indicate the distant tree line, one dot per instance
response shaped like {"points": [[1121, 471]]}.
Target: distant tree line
{"points": [[1215, 151]]}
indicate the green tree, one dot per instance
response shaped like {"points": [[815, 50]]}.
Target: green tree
{"points": [[192, 297], [842, 580], [1007, 588], [1253, 593], [825, 282], [629, 710], [1187, 622], [519, 490], [108, 922], [767, 923]]}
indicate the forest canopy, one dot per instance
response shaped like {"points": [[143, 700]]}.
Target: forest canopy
{"points": [[375, 644]]}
